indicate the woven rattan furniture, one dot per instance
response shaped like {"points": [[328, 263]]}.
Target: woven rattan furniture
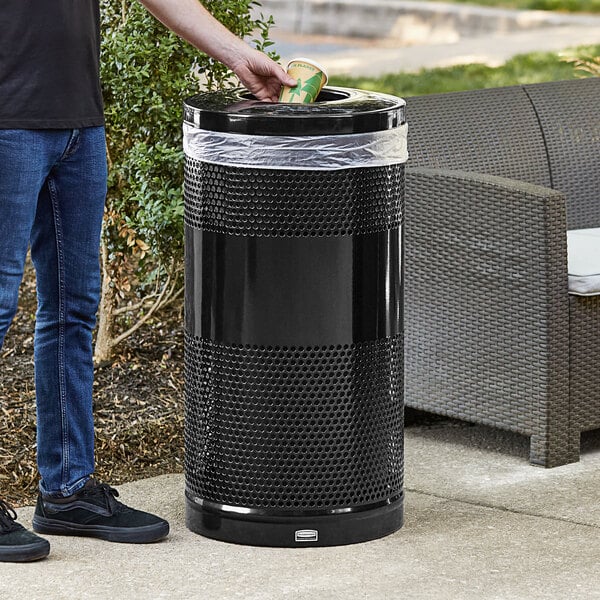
{"points": [[495, 179]]}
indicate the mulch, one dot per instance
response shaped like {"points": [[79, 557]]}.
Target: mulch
{"points": [[138, 403]]}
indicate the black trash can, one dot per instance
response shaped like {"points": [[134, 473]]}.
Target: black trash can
{"points": [[293, 327]]}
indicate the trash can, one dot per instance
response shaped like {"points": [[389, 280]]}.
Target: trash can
{"points": [[293, 318]]}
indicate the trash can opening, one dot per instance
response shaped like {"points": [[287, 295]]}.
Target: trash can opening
{"points": [[325, 95]]}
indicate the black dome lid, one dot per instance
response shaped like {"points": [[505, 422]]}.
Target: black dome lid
{"points": [[336, 111]]}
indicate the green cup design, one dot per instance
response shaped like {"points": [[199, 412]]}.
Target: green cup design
{"points": [[310, 78]]}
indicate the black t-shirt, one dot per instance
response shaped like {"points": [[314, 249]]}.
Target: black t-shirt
{"points": [[49, 64]]}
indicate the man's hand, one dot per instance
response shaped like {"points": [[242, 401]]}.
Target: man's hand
{"points": [[189, 19], [261, 76]]}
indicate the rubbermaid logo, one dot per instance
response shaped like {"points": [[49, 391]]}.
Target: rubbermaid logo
{"points": [[307, 535]]}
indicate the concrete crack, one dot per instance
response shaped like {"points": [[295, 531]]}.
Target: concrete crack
{"points": [[503, 508]]}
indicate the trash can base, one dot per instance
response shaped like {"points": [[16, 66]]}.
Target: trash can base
{"points": [[294, 531]]}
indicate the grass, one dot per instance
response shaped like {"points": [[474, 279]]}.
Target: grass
{"points": [[591, 6], [535, 67]]}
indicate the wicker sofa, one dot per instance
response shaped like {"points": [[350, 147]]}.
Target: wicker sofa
{"points": [[495, 179]]}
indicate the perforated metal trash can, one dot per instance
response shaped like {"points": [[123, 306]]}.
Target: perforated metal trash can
{"points": [[293, 304]]}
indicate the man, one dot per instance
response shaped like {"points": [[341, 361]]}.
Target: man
{"points": [[52, 189]]}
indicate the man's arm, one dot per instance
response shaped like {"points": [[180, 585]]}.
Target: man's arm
{"points": [[190, 20]]}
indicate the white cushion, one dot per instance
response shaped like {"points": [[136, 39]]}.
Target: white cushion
{"points": [[583, 247]]}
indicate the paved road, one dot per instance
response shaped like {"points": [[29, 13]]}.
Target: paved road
{"points": [[373, 58], [406, 36]]}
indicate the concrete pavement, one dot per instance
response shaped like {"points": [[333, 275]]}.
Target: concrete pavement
{"points": [[481, 523]]}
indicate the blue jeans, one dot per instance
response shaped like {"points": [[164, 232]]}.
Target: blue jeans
{"points": [[52, 192]]}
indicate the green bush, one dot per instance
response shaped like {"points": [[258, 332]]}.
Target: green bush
{"points": [[146, 73]]}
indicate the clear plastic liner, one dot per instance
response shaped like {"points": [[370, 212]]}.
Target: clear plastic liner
{"points": [[327, 152]]}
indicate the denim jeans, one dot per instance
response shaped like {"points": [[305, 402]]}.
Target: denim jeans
{"points": [[52, 192]]}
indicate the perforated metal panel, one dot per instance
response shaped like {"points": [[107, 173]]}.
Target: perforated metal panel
{"points": [[294, 428], [242, 201]]}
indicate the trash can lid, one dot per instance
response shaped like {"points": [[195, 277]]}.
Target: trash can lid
{"points": [[337, 111]]}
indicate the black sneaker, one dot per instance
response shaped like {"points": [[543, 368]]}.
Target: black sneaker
{"points": [[16, 543], [94, 512]]}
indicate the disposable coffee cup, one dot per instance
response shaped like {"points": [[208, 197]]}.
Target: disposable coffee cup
{"points": [[310, 77]]}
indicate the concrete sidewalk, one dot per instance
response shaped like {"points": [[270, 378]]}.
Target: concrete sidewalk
{"points": [[481, 523]]}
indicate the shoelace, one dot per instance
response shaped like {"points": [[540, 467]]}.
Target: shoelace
{"points": [[108, 493], [8, 517]]}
